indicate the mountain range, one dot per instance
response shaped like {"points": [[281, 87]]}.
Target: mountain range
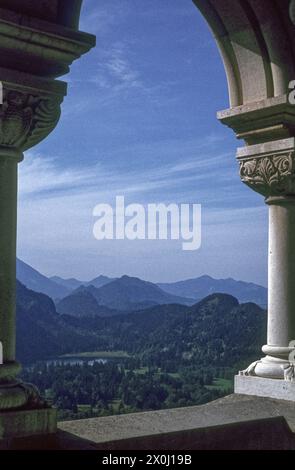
{"points": [[41, 332], [129, 293], [201, 287], [123, 294], [72, 283], [216, 331], [36, 281]]}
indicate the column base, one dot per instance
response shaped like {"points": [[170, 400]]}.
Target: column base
{"points": [[23, 412], [19, 395], [277, 364], [262, 387], [25, 423]]}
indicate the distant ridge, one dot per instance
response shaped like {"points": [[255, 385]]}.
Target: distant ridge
{"points": [[32, 279], [73, 283], [218, 330], [185, 292], [123, 294], [201, 287]]}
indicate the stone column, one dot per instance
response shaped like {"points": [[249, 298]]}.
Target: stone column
{"points": [[256, 40], [38, 43], [30, 111], [270, 170], [9, 159], [281, 294]]}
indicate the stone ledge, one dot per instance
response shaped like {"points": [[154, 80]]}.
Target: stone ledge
{"points": [[233, 422], [261, 387]]}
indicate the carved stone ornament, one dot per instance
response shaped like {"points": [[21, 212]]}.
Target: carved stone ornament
{"points": [[271, 175], [250, 371], [26, 118], [18, 394], [288, 370]]}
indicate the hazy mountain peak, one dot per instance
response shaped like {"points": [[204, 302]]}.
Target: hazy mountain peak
{"points": [[36, 281], [203, 286], [124, 294]]}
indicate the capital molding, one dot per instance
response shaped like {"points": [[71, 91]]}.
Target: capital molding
{"points": [[270, 175], [269, 168], [263, 121], [30, 111], [32, 44]]}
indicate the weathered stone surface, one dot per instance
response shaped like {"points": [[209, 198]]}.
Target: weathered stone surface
{"points": [[28, 113], [39, 44], [64, 12], [266, 387], [233, 422], [23, 423], [262, 121], [269, 168], [256, 41]]}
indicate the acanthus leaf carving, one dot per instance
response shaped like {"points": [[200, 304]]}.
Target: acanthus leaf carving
{"points": [[45, 119], [271, 175]]}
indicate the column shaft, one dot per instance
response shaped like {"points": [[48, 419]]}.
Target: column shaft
{"points": [[8, 209], [281, 275]]}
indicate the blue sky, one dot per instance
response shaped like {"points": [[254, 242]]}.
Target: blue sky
{"points": [[140, 121]]}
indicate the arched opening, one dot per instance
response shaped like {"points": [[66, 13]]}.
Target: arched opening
{"points": [[256, 40], [116, 83]]}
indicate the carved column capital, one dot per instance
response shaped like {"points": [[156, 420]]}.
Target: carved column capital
{"points": [[269, 169], [27, 116], [270, 175]]}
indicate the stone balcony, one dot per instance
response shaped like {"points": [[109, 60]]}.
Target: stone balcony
{"points": [[236, 422]]}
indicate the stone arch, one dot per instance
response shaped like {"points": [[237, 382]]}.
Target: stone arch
{"points": [[256, 41]]}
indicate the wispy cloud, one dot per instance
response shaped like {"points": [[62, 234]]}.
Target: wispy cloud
{"points": [[120, 71], [178, 179], [56, 207], [115, 70], [115, 78], [40, 174], [144, 100]]}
